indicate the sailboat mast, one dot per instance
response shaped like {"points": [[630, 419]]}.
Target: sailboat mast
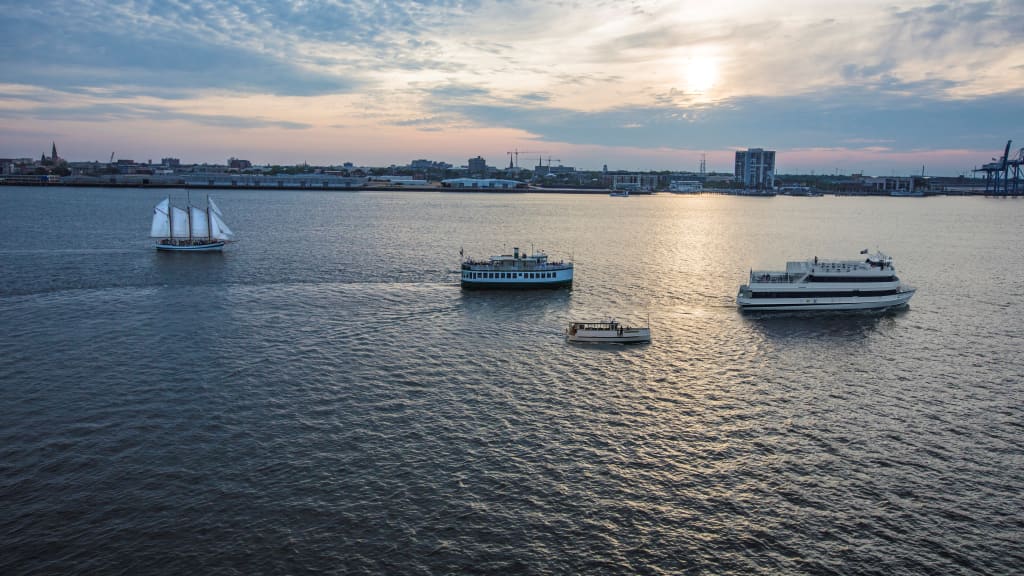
{"points": [[188, 213], [209, 223]]}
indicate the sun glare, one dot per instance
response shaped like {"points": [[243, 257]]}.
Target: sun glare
{"points": [[701, 75]]}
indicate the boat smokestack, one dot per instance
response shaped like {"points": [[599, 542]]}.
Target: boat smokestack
{"points": [[515, 253]]}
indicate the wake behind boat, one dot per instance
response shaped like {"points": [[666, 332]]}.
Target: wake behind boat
{"points": [[814, 284], [189, 229], [607, 331]]}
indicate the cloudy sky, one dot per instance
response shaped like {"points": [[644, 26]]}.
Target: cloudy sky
{"points": [[875, 86]]}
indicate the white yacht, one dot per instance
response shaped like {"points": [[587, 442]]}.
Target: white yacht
{"points": [[516, 270], [826, 285], [608, 331]]}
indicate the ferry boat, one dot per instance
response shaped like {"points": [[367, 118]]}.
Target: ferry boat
{"points": [[608, 331], [826, 285], [516, 270]]}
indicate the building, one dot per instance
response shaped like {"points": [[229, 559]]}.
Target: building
{"points": [[477, 166], [429, 165], [238, 164], [690, 186], [635, 182], [755, 168], [482, 183]]}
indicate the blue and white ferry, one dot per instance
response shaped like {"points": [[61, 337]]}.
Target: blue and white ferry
{"points": [[516, 270]]}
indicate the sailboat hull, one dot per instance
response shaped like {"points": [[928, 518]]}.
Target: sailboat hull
{"points": [[207, 247]]}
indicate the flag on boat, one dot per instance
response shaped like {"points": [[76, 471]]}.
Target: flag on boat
{"points": [[864, 251], [460, 251]]}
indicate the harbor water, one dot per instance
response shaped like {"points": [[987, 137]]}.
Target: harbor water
{"points": [[322, 397]]}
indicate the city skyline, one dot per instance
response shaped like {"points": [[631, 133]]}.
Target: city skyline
{"points": [[871, 87]]}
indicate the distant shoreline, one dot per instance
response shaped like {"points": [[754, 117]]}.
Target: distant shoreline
{"points": [[308, 188], [23, 181]]}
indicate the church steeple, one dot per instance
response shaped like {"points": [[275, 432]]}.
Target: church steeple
{"points": [[54, 156]]}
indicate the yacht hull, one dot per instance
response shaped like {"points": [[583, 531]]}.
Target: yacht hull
{"points": [[747, 303], [624, 339], [212, 247]]}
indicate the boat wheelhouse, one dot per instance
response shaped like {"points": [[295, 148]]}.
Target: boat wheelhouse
{"points": [[607, 331], [826, 285], [516, 270]]}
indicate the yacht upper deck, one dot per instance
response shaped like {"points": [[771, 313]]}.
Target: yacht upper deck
{"points": [[877, 266]]}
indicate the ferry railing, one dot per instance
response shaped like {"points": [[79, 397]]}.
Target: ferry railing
{"points": [[774, 277], [509, 266]]}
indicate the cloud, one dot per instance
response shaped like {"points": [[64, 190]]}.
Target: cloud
{"points": [[824, 119], [647, 74], [121, 112]]}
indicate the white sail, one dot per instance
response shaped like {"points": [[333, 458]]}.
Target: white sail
{"points": [[179, 222], [161, 227], [200, 227], [213, 207], [218, 229]]}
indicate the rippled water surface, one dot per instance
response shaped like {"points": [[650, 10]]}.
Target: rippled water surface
{"points": [[322, 397]]}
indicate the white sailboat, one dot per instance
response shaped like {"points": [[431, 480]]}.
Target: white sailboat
{"points": [[189, 229]]}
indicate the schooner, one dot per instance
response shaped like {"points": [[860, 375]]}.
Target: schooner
{"points": [[189, 229]]}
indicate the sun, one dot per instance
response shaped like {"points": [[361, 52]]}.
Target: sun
{"points": [[701, 75]]}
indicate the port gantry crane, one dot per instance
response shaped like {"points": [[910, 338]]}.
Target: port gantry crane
{"points": [[998, 174]]}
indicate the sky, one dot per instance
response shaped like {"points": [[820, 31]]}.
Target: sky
{"points": [[873, 87]]}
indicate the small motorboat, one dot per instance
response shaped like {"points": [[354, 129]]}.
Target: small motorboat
{"points": [[610, 331]]}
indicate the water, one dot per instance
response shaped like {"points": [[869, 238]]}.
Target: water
{"points": [[322, 397]]}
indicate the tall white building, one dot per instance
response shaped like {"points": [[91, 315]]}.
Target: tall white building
{"points": [[755, 167]]}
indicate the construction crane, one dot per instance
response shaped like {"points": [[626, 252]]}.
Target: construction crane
{"points": [[559, 160], [111, 158], [515, 154]]}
